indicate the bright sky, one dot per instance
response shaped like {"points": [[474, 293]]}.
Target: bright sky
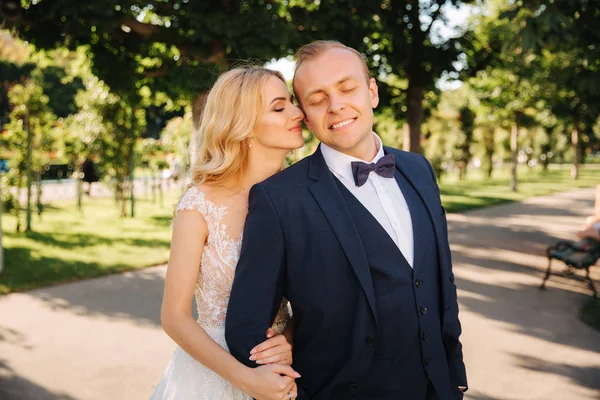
{"points": [[457, 19]]}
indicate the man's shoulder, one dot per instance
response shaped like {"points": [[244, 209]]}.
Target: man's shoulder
{"points": [[414, 161], [407, 155], [292, 176]]}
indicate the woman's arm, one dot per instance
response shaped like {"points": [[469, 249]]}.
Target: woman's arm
{"points": [[189, 235]]}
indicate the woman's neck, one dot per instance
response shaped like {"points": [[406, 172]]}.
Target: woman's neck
{"points": [[261, 165]]}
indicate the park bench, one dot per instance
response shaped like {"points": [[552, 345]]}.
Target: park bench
{"points": [[578, 255]]}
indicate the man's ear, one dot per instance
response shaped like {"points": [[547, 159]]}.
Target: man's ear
{"points": [[374, 92]]}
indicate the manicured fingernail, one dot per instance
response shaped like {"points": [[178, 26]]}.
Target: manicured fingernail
{"points": [[259, 362], [252, 351], [298, 375], [252, 358]]}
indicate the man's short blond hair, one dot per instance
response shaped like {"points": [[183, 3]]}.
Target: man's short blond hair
{"points": [[315, 49]]}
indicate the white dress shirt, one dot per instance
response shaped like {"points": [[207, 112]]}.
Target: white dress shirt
{"points": [[381, 196]]}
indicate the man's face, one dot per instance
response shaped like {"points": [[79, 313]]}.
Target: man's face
{"points": [[338, 100]]}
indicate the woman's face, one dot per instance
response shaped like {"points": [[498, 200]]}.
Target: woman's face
{"points": [[280, 126]]}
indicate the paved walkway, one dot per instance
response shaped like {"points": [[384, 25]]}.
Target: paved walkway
{"points": [[100, 339]]}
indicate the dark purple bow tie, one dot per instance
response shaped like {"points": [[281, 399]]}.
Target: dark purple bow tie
{"points": [[384, 167]]}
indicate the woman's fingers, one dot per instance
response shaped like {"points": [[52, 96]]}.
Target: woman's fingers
{"points": [[270, 333], [277, 340], [283, 350], [291, 393], [285, 370], [276, 359]]}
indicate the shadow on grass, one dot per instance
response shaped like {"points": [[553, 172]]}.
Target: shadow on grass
{"points": [[162, 221], [14, 387], [22, 271], [460, 196], [73, 241], [130, 296]]}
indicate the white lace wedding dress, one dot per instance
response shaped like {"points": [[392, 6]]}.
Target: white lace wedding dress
{"points": [[185, 378]]}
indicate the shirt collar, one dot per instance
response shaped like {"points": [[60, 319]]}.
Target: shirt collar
{"points": [[340, 163]]}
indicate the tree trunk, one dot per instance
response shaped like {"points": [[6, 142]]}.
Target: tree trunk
{"points": [[576, 152], [79, 174], [29, 175], [514, 145], [132, 164], [122, 190], [406, 137], [489, 153], [414, 117]]}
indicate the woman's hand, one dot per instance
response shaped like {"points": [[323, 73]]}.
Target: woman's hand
{"points": [[275, 350], [271, 382]]}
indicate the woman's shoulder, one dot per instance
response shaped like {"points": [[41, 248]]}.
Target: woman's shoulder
{"points": [[197, 198]]}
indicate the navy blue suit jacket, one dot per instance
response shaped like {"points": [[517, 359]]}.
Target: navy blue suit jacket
{"points": [[300, 242]]}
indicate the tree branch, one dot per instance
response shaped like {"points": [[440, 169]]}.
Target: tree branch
{"points": [[142, 29], [156, 73]]}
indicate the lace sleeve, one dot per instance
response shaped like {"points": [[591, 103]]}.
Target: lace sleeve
{"points": [[193, 199]]}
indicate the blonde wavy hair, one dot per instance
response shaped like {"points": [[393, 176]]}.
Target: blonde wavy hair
{"points": [[233, 107]]}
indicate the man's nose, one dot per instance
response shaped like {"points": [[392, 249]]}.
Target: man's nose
{"points": [[336, 104]]}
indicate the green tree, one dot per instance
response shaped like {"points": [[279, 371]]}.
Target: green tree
{"points": [[176, 137], [507, 79], [402, 42], [567, 34], [173, 47], [9, 75], [466, 120], [31, 137]]}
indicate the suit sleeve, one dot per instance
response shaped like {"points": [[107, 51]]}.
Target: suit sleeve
{"points": [[258, 285], [451, 328]]}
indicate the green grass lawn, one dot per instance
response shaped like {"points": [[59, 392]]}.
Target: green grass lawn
{"points": [[67, 245], [478, 191]]}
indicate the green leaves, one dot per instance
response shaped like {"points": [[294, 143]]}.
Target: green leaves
{"points": [[157, 44]]}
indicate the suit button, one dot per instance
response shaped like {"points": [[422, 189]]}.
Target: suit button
{"points": [[418, 283], [423, 310], [371, 342], [427, 360], [425, 336], [352, 386]]}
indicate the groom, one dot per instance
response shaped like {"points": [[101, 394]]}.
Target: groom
{"points": [[355, 237]]}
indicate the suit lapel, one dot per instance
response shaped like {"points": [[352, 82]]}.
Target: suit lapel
{"points": [[426, 192], [331, 202], [414, 217]]}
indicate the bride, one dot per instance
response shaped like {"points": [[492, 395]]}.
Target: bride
{"points": [[248, 126]]}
